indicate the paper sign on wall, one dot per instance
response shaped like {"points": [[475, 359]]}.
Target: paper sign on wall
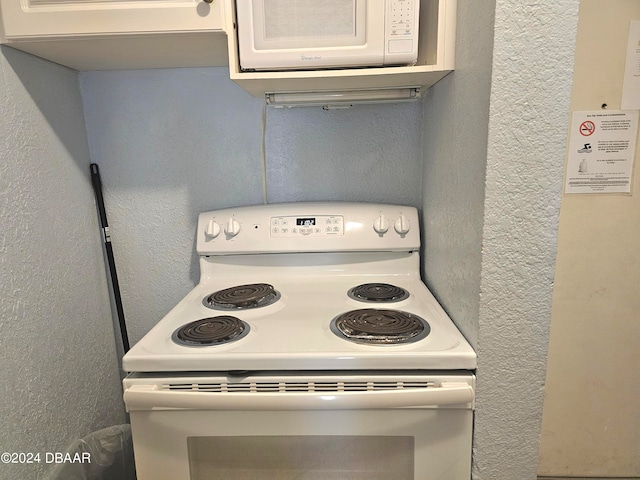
{"points": [[601, 151], [631, 85]]}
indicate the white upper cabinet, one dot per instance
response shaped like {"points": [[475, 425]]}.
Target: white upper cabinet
{"points": [[33, 19], [106, 34]]}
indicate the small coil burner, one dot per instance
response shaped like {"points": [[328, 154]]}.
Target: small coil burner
{"points": [[211, 331], [378, 292], [380, 327], [253, 295]]}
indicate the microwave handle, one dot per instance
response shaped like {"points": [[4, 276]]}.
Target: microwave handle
{"points": [[150, 397]]}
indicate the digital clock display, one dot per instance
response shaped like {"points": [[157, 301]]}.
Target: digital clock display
{"points": [[305, 222]]}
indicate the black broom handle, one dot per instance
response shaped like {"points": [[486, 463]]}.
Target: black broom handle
{"points": [[97, 189]]}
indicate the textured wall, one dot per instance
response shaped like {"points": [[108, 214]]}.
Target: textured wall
{"points": [[59, 377], [531, 87], [495, 133], [173, 143], [456, 116], [368, 154]]}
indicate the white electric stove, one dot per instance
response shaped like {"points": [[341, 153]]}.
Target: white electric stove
{"points": [[306, 307]]}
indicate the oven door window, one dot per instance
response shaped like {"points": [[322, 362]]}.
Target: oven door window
{"points": [[390, 444], [309, 457]]}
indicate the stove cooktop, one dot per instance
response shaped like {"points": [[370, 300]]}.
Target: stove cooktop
{"points": [[341, 292], [294, 334]]}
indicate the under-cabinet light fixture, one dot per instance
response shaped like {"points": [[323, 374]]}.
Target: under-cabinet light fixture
{"points": [[341, 99]]}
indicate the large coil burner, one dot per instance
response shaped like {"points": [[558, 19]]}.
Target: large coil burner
{"points": [[211, 331], [380, 327], [240, 297], [378, 293]]}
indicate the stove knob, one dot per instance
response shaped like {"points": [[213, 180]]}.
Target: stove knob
{"points": [[402, 225], [212, 230], [381, 225], [232, 228]]}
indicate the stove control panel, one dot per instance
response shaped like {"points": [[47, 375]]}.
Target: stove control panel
{"points": [[316, 226], [308, 227]]}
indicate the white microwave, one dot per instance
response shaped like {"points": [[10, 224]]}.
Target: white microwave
{"points": [[312, 34]]}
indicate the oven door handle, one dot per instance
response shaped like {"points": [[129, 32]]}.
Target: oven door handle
{"points": [[150, 397]]}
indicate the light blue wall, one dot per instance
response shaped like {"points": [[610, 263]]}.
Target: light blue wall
{"points": [[495, 134], [59, 372], [456, 119], [173, 143], [529, 116], [371, 153]]}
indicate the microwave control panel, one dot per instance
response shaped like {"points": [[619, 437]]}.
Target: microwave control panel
{"points": [[401, 26], [402, 18]]}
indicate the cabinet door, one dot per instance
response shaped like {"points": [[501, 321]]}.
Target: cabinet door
{"points": [[38, 19]]}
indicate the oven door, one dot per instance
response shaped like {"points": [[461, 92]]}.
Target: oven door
{"points": [[286, 427]]}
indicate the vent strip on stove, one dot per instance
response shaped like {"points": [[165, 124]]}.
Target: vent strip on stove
{"points": [[288, 387]]}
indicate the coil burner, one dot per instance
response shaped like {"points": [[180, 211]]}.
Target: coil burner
{"points": [[240, 297], [372, 326], [378, 292], [211, 331]]}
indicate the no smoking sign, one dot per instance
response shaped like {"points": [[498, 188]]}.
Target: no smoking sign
{"points": [[587, 128]]}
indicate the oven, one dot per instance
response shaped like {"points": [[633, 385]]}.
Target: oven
{"points": [[394, 425], [310, 349]]}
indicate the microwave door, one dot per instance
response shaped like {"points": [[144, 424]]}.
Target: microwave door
{"points": [[306, 34]]}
